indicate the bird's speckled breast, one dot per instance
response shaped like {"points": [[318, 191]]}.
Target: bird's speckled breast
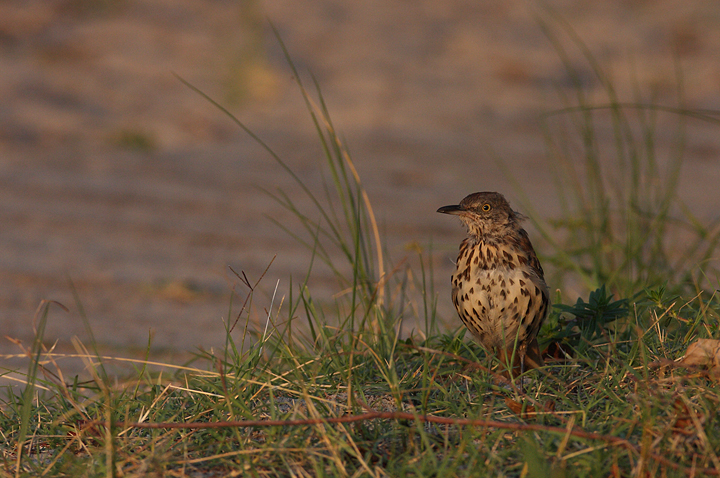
{"points": [[496, 297]]}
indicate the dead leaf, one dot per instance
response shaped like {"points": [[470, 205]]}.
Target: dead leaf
{"points": [[683, 422], [703, 353], [517, 408]]}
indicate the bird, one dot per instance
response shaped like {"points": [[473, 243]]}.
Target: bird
{"points": [[498, 286]]}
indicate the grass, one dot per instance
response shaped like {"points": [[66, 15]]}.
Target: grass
{"points": [[616, 166], [610, 409], [336, 390]]}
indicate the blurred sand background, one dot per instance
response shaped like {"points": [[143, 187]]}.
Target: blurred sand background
{"points": [[116, 175]]}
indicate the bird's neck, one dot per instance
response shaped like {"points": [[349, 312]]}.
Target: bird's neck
{"points": [[490, 237]]}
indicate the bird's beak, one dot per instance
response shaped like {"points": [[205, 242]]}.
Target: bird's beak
{"points": [[454, 209]]}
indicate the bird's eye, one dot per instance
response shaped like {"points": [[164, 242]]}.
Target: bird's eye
{"points": [[486, 207]]}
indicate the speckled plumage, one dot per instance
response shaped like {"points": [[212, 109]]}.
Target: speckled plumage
{"points": [[498, 287]]}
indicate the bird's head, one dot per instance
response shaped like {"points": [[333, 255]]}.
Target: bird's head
{"points": [[485, 214]]}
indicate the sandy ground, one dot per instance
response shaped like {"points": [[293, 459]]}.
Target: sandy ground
{"points": [[115, 175]]}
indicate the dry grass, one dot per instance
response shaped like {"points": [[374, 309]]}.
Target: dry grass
{"points": [[360, 403]]}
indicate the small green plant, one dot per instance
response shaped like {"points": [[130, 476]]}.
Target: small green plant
{"points": [[135, 139], [247, 73], [585, 322]]}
